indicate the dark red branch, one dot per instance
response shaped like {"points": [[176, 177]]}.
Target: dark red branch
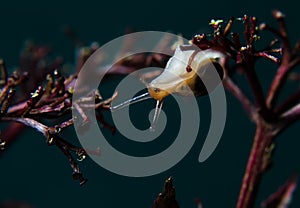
{"points": [[256, 90], [246, 103], [264, 136]]}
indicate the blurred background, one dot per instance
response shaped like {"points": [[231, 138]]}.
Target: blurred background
{"points": [[39, 175]]}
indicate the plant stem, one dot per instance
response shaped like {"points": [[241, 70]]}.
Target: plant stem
{"points": [[257, 163]]}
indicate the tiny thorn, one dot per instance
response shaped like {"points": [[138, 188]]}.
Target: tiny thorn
{"points": [[82, 182]]}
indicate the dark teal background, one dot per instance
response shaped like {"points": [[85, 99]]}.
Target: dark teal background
{"points": [[40, 175]]}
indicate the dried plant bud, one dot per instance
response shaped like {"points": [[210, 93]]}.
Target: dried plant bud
{"points": [[278, 14], [167, 199], [216, 23], [262, 26], [2, 145]]}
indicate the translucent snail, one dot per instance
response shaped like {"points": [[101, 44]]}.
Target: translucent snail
{"points": [[184, 74]]}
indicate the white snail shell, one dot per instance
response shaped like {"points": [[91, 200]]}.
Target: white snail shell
{"points": [[184, 71]]}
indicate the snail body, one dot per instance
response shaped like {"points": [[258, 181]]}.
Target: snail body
{"points": [[190, 72], [185, 71]]}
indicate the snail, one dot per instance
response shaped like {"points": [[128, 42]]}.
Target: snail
{"points": [[185, 74]]}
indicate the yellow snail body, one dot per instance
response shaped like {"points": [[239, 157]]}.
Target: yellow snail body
{"points": [[184, 71], [183, 75]]}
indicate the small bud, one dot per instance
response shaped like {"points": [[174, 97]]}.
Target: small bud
{"points": [[243, 48], [36, 93], [215, 23], [56, 73], [50, 141], [81, 155], [278, 14], [2, 145], [256, 37], [81, 158], [262, 26], [16, 75], [57, 129], [198, 38], [71, 90]]}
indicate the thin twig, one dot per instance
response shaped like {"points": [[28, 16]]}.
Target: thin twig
{"points": [[246, 103]]}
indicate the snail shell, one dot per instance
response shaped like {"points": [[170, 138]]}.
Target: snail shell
{"points": [[185, 72]]}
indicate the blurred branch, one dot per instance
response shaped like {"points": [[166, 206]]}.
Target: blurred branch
{"points": [[166, 199], [283, 196]]}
